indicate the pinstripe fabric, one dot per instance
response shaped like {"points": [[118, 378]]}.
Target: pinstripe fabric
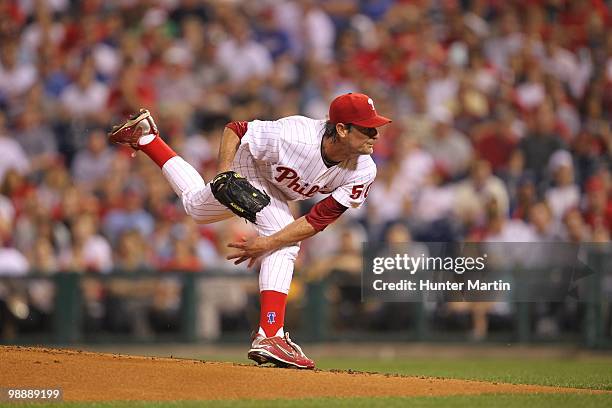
{"points": [[196, 196], [287, 152], [283, 158]]}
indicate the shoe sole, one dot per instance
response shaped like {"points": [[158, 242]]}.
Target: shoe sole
{"points": [[132, 122], [263, 357]]}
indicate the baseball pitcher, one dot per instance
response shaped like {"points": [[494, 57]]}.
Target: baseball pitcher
{"points": [[262, 165]]}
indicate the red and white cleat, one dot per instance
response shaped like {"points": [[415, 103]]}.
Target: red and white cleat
{"points": [[128, 133], [280, 351]]}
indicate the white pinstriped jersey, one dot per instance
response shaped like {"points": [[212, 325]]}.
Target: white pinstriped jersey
{"points": [[287, 153], [284, 158]]}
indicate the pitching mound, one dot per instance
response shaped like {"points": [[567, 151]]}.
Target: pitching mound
{"points": [[86, 376]]}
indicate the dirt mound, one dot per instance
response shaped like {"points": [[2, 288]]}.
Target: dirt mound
{"points": [[86, 376]]}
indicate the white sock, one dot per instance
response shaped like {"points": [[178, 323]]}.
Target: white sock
{"points": [[279, 333], [145, 139]]}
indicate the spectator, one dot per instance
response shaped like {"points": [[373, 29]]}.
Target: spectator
{"points": [[53, 76], [319, 32], [16, 77], [501, 229], [203, 246], [43, 30], [12, 262], [133, 90], [89, 251], [531, 94], [473, 194], [346, 254], [390, 197], [13, 156], [416, 164], [576, 230], [541, 141], [132, 253], [416, 120], [598, 205], [17, 188], [495, 140], [175, 90], [433, 207], [93, 165], [565, 195], [543, 225], [86, 98], [450, 149], [41, 292], [256, 62], [131, 216], [43, 258], [13, 295], [565, 65], [36, 138], [508, 42], [184, 257], [271, 35]]}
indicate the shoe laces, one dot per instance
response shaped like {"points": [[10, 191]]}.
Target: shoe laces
{"points": [[294, 345]]}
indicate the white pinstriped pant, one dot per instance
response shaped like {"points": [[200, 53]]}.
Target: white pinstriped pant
{"points": [[276, 267]]}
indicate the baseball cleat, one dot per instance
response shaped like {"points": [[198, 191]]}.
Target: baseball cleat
{"points": [[280, 351], [128, 133]]}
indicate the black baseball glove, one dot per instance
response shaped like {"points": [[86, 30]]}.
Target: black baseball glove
{"points": [[236, 193]]}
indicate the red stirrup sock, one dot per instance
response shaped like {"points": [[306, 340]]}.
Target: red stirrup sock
{"points": [[272, 312], [158, 150]]}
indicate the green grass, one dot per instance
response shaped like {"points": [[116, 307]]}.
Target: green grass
{"points": [[573, 373], [562, 373], [497, 401]]}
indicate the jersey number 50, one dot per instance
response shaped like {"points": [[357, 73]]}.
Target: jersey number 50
{"points": [[358, 189]]}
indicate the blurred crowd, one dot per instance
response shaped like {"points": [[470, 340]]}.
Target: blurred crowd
{"points": [[501, 125]]}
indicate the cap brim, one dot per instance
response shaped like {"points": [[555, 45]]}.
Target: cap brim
{"points": [[373, 122]]}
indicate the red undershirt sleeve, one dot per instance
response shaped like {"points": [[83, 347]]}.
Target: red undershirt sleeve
{"points": [[239, 128], [324, 213]]}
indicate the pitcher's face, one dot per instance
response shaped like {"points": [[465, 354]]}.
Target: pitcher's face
{"points": [[360, 139]]}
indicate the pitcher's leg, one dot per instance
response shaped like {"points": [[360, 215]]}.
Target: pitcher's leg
{"points": [[271, 344], [196, 196], [276, 269], [140, 133]]}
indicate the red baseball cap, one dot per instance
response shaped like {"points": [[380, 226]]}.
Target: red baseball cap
{"points": [[356, 108]]}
